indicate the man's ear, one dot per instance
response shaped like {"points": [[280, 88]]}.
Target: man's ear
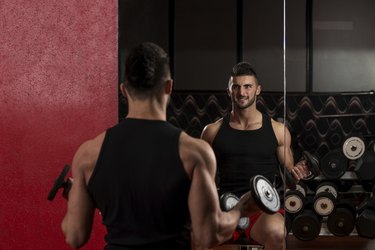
{"points": [[259, 89], [229, 92], [168, 87], [123, 90]]}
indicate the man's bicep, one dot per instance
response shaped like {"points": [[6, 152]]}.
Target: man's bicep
{"points": [[80, 205], [203, 198], [80, 210]]}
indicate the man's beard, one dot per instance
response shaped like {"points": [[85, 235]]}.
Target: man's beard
{"points": [[247, 104]]}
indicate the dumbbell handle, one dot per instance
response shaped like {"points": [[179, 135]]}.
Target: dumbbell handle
{"points": [[60, 182], [290, 181]]}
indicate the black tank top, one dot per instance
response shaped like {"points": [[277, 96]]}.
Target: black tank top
{"points": [[242, 154], [141, 188]]}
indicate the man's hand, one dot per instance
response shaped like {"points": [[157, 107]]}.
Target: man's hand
{"points": [[300, 170], [67, 186]]}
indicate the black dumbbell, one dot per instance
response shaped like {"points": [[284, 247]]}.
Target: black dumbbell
{"points": [[60, 182], [312, 163], [295, 198], [371, 146], [288, 217], [227, 202], [341, 222], [325, 198], [365, 169], [306, 226], [334, 164], [365, 223]]}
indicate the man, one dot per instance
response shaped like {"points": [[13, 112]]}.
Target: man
{"points": [[149, 179], [247, 143]]}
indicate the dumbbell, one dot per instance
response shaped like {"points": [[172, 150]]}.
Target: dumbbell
{"points": [[60, 182], [264, 195], [227, 202], [288, 217], [312, 164], [365, 169], [365, 223], [334, 164], [306, 225], [353, 147], [325, 198], [371, 146], [295, 198], [341, 222]]}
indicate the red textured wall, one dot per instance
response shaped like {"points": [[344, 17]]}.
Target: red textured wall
{"points": [[58, 87]]}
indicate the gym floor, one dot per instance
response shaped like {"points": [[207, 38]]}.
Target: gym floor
{"points": [[331, 243], [321, 243]]}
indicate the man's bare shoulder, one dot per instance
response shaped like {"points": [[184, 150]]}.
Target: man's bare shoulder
{"points": [[195, 144], [277, 124], [280, 130], [210, 130], [194, 152], [88, 152]]}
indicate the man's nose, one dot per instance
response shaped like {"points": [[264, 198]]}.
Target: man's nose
{"points": [[242, 90]]}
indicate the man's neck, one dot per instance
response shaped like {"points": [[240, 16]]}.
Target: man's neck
{"points": [[246, 118], [148, 109]]}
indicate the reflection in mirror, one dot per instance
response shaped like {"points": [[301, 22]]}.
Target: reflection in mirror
{"points": [[330, 106], [205, 40]]}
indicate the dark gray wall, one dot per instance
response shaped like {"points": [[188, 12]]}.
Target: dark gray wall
{"points": [[296, 46], [344, 45], [205, 44], [202, 39], [263, 41]]}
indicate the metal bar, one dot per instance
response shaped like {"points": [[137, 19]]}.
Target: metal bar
{"points": [[346, 115]]}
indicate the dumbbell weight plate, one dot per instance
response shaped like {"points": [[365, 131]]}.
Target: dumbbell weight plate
{"points": [[313, 165], [365, 224], [353, 148], [333, 164], [243, 223], [324, 203], [325, 198], [306, 226], [59, 183], [228, 201], [371, 146], [301, 187], [365, 169], [294, 201], [264, 194], [327, 187], [341, 222]]}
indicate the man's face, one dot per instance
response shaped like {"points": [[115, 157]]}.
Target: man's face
{"points": [[243, 91]]}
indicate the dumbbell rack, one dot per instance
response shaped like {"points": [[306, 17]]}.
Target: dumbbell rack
{"points": [[355, 189]]}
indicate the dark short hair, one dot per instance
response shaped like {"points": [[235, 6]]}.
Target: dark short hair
{"points": [[146, 68], [243, 69]]}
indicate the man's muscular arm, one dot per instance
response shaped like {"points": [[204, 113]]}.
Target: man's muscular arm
{"points": [[285, 154], [210, 225], [77, 223]]}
